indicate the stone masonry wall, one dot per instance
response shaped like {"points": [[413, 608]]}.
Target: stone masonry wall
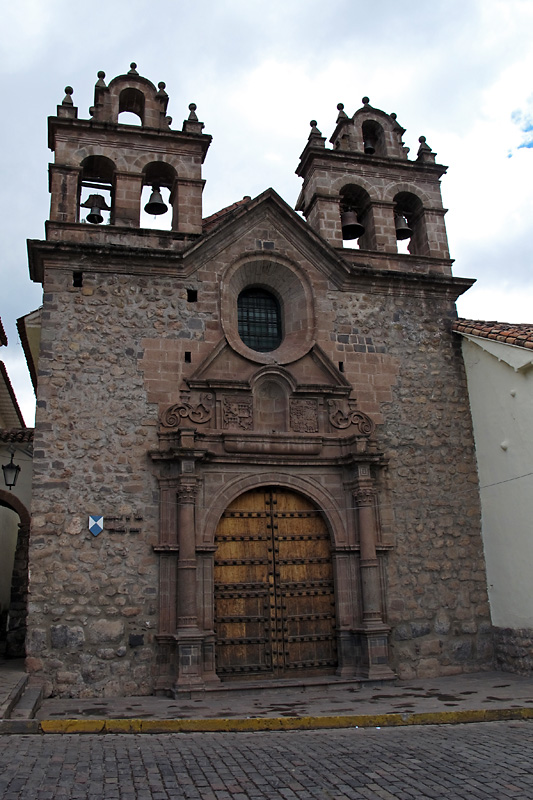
{"points": [[513, 650], [436, 584], [93, 600]]}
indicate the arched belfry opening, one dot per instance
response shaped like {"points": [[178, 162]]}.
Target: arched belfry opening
{"points": [[131, 101], [409, 224], [357, 219], [96, 190], [159, 196], [373, 138], [274, 588]]}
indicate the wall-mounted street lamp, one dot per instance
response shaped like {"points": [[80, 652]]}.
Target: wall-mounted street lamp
{"points": [[11, 473]]}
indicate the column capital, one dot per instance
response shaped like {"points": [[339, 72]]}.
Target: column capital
{"points": [[364, 495], [187, 490]]}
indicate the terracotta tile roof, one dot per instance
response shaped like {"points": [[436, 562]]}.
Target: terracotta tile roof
{"points": [[16, 435], [507, 332], [3, 337], [208, 223]]}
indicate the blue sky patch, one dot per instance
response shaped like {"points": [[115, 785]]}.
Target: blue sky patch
{"points": [[524, 120]]}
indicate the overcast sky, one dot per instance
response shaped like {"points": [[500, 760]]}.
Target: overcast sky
{"points": [[458, 71]]}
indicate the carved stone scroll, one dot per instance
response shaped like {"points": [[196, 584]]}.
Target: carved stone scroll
{"points": [[237, 412], [342, 418], [303, 415], [198, 414]]}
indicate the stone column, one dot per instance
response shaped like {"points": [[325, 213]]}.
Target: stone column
{"points": [[187, 616], [64, 188], [188, 635], [374, 632]]}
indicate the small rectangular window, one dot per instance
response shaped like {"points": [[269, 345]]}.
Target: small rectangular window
{"points": [[192, 296], [188, 357], [77, 279]]}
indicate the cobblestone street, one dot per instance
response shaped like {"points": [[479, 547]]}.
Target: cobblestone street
{"points": [[484, 760]]}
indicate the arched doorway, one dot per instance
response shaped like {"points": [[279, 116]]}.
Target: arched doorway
{"points": [[274, 591], [14, 542]]}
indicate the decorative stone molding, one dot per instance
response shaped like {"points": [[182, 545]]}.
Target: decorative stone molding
{"points": [[237, 412], [303, 415], [364, 496], [342, 418], [199, 413], [187, 493]]}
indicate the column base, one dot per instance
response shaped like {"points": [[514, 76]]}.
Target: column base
{"points": [[372, 644]]}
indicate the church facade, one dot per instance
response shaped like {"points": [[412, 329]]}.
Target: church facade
{"points": [[253, 453]]}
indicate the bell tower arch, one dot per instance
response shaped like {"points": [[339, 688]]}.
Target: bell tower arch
{"points": [[102, 164], [364, 191]]}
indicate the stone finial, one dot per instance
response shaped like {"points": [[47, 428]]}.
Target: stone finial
{"points": [[342, 113], [161, 94], [425, 152], [100, 83], [68, 101], [192, 124], [314, 129], [366, 101], [133, 69], [67, 107]]}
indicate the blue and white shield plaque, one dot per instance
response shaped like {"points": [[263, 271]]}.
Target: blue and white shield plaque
{"points": [[96, 524]]}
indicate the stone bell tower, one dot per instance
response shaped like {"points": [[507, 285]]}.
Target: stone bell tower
{"points": [[102, 165], [366, 189]]}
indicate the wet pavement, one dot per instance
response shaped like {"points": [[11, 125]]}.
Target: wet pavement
{"points": [[476, 691]]}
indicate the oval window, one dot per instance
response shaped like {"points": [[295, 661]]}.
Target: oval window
{"points": [[259, 320]]}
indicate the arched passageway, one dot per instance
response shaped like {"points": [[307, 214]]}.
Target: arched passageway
{"points": [[14, 541]]}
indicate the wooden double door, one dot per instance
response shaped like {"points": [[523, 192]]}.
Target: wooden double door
{"points": [[274, 593]]}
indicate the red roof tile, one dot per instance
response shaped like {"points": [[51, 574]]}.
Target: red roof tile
{"points": [[16, 435], [518, 335]]}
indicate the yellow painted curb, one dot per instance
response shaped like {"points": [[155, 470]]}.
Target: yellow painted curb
{"points": [[223, 724], [72, 725]]}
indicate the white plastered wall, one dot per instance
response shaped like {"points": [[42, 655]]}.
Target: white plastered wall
{"points": [[500, 385]]}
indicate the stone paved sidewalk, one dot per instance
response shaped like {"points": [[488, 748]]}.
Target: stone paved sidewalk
{"points": [[479, 691]]}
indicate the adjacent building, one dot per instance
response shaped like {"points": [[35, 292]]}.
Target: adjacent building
{"points": [[15, 495], [499, 365]]}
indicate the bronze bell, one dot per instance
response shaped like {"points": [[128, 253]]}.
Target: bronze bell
{"points": [[403, 231], [369, 147], [351, 227], [155, 204], [97, 204]]}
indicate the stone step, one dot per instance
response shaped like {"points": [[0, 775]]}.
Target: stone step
{"points": [[28, 704], [12, 685]]}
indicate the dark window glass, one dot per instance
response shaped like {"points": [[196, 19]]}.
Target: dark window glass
{"points": [[259, 320]]}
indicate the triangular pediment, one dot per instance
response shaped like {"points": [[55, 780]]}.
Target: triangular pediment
{"points": [[226, 369], [292, 234]]}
